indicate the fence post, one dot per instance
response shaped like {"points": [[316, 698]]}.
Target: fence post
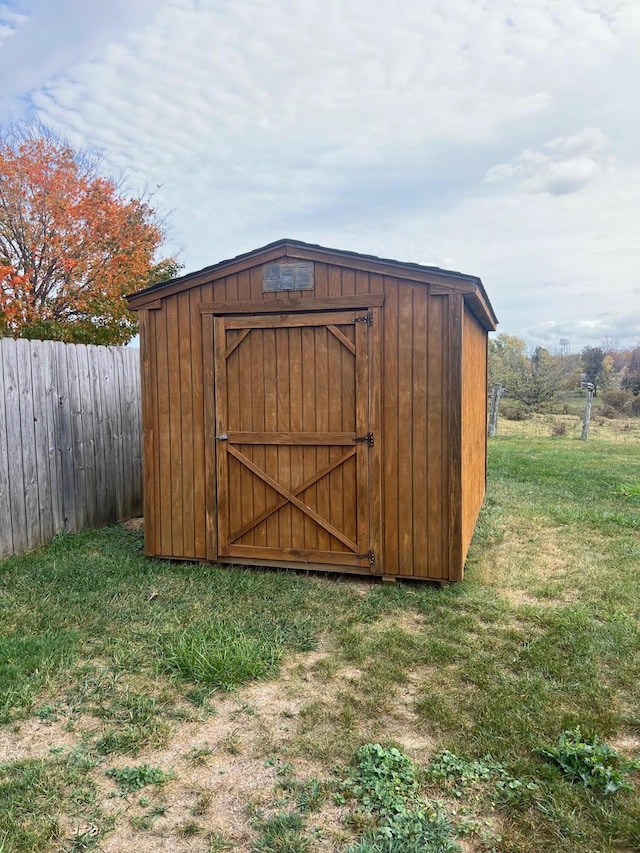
{"points": [[587, 410], [496, 392]]}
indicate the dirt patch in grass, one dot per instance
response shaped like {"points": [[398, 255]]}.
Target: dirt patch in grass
{"points": [[134, 524], [225, 768], [35, 738]]}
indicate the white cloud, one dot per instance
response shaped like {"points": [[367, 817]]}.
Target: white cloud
{"points": [[567, 165]]}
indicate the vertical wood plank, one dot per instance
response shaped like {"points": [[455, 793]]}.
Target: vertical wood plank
{"points": [[102, 463], [390, 425], [362, 449], [284, 473], [405, 424], [271, 425], [53, 434], [309, 454], [375, 426], [257, 453], [454, 373], [221, 416], [296, 421], [41, 442], [175, 425], [186, 438], [420, 546], [211, 446], [66, 441], [6, 527], [327, 365], [164, 434], [86, 399], [149, 446], [77, 437], [28, 443], [437, 482], [204, 493]]}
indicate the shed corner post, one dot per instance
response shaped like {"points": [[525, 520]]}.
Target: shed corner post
{"points": [[148, 433], [209, 399], [456, 319]]}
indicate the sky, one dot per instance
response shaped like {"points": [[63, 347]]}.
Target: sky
{"points": [[499, 138]]}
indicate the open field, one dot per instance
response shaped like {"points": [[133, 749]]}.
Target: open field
{"points": [[125, 722]]}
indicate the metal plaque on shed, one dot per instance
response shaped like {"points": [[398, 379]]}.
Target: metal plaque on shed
{"points": [[288, 276]]}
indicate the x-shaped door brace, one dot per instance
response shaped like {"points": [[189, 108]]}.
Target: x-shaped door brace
{"points": [[289, 496]]}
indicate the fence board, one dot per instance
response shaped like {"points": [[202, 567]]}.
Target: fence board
{"points": [[6, 528], [70, 439]]}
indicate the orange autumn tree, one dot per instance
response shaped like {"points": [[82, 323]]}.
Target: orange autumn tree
{"points": [[71, 245]]}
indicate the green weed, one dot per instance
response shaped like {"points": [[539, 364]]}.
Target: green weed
{"points": [[135, 778], [591, 762]]}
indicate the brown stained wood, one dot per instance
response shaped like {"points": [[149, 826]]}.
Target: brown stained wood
{"points": [[348, 286], [308, 511], [288, 321], [204, 522], [421, 449], [292, 438], [375, 452], [334, 286], [175, 427], [276, 507], [258, 401], [301, 556], [270, 418], [405, 431], [344, 340], [454, 374], [296, 395], [286, 304], [242, 334], [390, 425], [164, 433], [296, 473], [437, 481], [474, 419], [362, 282], [283, 406], [239, 483], [321, 283], [153, 524], [308, 405], [186, 412], [324, 369], [363, 449], [221, 447]]}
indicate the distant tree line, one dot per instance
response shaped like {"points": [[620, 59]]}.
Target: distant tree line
{"points": [[535, 377]]}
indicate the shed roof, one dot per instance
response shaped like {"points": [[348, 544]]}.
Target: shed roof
{"points": [[471, 286]]}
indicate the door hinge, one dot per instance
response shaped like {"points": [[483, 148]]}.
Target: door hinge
{"points": [[365, 318], [370, 556], [365, 439], [222, 437]]}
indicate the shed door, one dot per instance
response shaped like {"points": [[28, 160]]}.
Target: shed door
{"points": [[292, 451]]}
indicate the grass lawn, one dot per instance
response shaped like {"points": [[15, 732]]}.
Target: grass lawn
{"points": [[181, 707]]}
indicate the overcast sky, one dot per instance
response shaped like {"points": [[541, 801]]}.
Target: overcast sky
{"points": [[500, 138]]}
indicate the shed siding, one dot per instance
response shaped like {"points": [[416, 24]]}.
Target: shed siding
{"points": [[415, 363], [474, 423]]}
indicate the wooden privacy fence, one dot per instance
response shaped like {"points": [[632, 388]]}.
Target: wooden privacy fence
{"points": [[70, 440]]}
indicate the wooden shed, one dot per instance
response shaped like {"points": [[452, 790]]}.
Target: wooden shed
{"points": [[313, 408]]}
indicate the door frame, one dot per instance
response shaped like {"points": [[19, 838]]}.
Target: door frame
{"points": [[370, 367]]}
